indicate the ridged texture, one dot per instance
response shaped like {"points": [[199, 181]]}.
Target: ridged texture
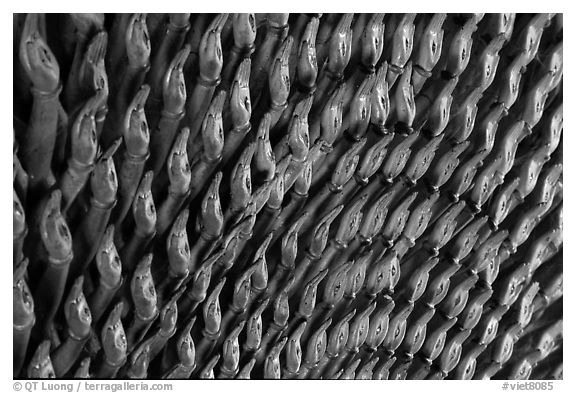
{"points": [[301, 196]]}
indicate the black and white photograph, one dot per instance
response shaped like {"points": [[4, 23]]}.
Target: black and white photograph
{"points": [[308, 196]]}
